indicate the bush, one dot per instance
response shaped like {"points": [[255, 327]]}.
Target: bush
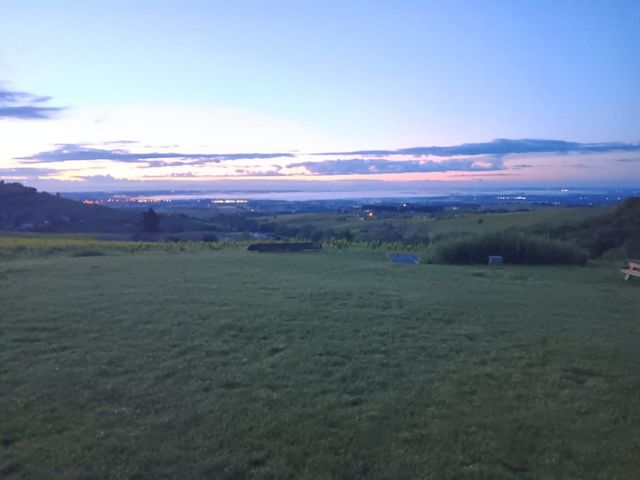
{"points": [[514, 248], [309, 232], [87, 252], [150, 221], [283, 230], [209, 238]]}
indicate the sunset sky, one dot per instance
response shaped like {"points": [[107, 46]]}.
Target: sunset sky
{"points": [[199, 94]]}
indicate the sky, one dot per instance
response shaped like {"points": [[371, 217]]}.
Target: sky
{"points": [[209, 94]]}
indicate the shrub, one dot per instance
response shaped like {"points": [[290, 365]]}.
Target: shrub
{"points": [[283, 230], [309, 232], [87, 252], [209, 238], [514, 248], [150, 221]]}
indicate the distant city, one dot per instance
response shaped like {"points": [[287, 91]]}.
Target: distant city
{"points": [[298, 201]]}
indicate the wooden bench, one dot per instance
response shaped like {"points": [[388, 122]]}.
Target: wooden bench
{"points": [[632, 269]]}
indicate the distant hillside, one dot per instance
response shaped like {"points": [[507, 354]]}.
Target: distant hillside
{"points": [[24, 208], [616, 234]]}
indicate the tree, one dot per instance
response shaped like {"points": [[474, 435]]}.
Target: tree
{"points": [[150, 221]]}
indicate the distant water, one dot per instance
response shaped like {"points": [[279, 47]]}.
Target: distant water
{"points": [[356, 194], [291, 195]]}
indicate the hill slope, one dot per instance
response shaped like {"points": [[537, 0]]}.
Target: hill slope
{"points": [[25, 208], [616, 234]]}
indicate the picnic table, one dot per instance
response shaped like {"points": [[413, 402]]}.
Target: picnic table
{"points": [[632, 269]]}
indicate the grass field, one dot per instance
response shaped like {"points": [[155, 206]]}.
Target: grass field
{"points": [[451, 223], [327, 365], [84, 245], [416, 229], [495, 222]]}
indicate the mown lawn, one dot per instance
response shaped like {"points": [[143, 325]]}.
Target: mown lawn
{"points": [[325, 365]]}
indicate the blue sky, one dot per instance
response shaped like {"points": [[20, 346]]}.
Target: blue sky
{"points": [[210, 78]]}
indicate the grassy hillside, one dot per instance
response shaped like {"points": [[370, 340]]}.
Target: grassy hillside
{"points": [[434, 226], [14, 245], [25, 208], [327, 365], [616, 235], [545, 218]]}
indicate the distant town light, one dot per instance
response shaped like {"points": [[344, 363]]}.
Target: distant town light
{"points": [[229, 201]]}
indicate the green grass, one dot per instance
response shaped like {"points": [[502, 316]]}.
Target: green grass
{"points": [[496, 222], [322, 220], [328, 365], [451, 224], [12, 245]]}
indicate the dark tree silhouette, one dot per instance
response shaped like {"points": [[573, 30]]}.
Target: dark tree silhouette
{"points": [[150, 221]]}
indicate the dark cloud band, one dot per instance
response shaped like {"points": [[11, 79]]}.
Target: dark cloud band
{"points": [[470, 157], [25, 106], [502, 146], [79, 152], [361, 166]]}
